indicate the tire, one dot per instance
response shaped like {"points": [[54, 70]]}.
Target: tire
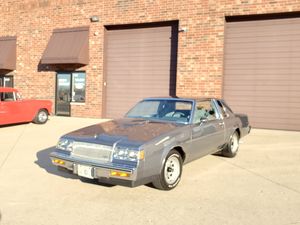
{"points": [[170, 174], [41, 117], [232, 146]]}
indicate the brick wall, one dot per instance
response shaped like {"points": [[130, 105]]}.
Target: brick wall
{"points": [[200, 49]]}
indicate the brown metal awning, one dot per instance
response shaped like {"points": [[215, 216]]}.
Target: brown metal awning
{"points": [[8, 53], [68, 46]]}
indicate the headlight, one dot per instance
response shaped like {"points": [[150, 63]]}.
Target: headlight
{"points": [[127, 154], [65, 144]]}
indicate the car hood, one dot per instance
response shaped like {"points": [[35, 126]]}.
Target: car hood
{"points": [[132, 132]]}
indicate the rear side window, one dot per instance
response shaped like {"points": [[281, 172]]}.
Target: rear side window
{"points": [[224, 108], [227, 107], [7, 96]]}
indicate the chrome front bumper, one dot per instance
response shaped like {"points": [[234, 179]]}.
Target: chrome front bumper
{"points": [[98, 170]]}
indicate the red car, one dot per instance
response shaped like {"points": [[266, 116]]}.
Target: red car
{"points": [[14, 109]]}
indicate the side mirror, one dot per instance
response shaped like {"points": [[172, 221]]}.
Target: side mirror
{"points": [[18, 96], [203, 120]]}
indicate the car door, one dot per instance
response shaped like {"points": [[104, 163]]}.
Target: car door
{"points": [[4, 113], [7, 108], [207, 130], [11, 110]]}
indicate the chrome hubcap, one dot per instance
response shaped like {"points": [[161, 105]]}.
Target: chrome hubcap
{"points": [[42, 116], [234, 143], [172, 169]]}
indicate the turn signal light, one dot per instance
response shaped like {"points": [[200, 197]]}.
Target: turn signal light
{"points": [[119, 174], [58, 161], [142, 155]]}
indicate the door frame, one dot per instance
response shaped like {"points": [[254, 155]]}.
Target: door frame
{"points": [[2, 80], [56, 89]]}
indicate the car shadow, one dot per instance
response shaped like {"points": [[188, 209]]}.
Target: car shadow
{"points": [[13, 124], [44, 162]]}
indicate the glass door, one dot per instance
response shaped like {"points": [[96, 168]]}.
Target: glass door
{"points": [[6, 81], [63, 94]]}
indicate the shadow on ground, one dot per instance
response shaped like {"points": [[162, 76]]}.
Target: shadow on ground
{"points": [[44, 162], [13, 124]]}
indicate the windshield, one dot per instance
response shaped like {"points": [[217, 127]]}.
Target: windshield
{"points": [[167, 110]]}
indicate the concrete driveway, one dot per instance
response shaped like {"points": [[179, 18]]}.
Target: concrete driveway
{"points": [[260, 186]]}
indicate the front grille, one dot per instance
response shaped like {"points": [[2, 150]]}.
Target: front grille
{"points": [[92, 151]]}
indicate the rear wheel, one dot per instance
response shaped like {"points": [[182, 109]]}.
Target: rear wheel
{"points": [[171, 172], [41, 117], [232, 147]]}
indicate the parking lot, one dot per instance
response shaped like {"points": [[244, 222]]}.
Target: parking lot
{"points": [[260, 186]]}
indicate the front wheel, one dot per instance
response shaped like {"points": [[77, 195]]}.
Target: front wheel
{"points": [[41, 117], [171, 172], [232, 147]]}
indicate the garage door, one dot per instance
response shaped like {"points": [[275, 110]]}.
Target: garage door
{"points": [[140, 62], [262, 71]]}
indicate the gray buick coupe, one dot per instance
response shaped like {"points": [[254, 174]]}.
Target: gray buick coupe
{"points": [[152, 142]]}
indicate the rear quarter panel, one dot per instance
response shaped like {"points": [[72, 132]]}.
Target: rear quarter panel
{"points": [[245, 126], [232, 123]]}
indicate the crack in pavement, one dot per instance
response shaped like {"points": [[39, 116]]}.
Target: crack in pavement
{"points": [[294, 223], [13, 147]]}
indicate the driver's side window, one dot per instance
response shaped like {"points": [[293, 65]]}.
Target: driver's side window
{"points": [[7, 96], [204, 111]]}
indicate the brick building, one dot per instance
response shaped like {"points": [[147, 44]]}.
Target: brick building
{"points": [[95, 58]]}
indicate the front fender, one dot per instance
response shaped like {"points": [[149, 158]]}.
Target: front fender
{"points": [[156, 152]]}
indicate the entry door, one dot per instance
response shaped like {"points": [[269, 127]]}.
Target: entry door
{"points": [[63, 94], [6, 81]]}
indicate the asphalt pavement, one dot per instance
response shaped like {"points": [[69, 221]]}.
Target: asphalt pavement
{"points": [[261, 185]]}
